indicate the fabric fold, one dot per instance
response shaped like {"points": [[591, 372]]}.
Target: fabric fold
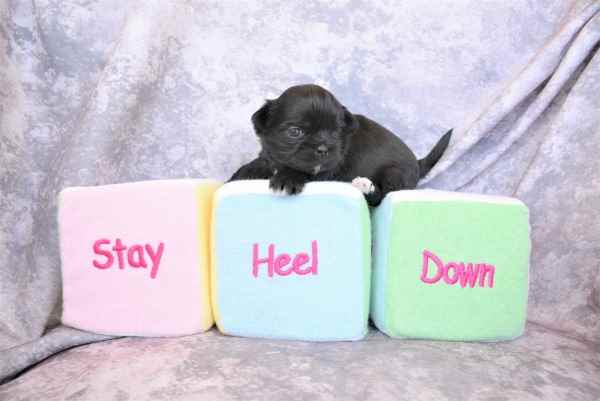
{"points": [[555, 63]]}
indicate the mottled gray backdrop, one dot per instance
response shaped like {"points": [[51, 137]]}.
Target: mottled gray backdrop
{"points": [[105, 91]]}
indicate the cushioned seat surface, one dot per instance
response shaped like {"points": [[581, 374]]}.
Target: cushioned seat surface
{"points": [[541, 365]]}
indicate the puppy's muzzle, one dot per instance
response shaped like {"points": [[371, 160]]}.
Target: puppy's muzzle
{"points": [[322, 151]]}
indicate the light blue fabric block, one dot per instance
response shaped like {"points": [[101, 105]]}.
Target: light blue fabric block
{"points": [[332, 304]]}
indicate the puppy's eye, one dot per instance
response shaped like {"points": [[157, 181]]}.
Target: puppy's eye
{"points": [[295, 132]]}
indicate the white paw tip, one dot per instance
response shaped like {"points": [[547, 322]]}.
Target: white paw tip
{"points": [[278, 192], [364, 184]]}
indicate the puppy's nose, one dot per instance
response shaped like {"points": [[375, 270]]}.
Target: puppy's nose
{"points": [[322, 151]]}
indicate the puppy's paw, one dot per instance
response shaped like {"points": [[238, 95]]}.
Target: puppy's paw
{"points": [[364, 184], [290, 183]]}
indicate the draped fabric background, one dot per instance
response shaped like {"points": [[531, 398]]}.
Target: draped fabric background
{"points": [[105, 91]]}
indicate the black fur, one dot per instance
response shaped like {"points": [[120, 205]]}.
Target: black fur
{"points": [[307, 135]]}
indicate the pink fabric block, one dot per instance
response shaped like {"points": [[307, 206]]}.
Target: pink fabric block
{"points": [[158, 223]]}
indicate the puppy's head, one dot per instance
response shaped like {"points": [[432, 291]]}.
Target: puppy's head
{"points": [[305, 128]]}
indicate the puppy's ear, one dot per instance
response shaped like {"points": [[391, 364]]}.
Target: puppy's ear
{"points": [[350, 121], [260, 118]]}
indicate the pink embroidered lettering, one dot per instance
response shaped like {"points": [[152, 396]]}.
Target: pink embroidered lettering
{"points": [[277, 264], [457, 272], [256, 262], [439, 264], [155, 258], [488, 271], [139, 261], [135, 256], [107, 254], [300, 260], [469, 275], [119, 248], [282, 261]]}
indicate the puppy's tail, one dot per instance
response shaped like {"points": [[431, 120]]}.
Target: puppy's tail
{"points": [[427, 163]]}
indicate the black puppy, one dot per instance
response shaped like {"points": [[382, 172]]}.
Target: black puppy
{"points": [[307, 135]]}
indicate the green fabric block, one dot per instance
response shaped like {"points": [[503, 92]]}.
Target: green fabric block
{"points": [[450, 266]]}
